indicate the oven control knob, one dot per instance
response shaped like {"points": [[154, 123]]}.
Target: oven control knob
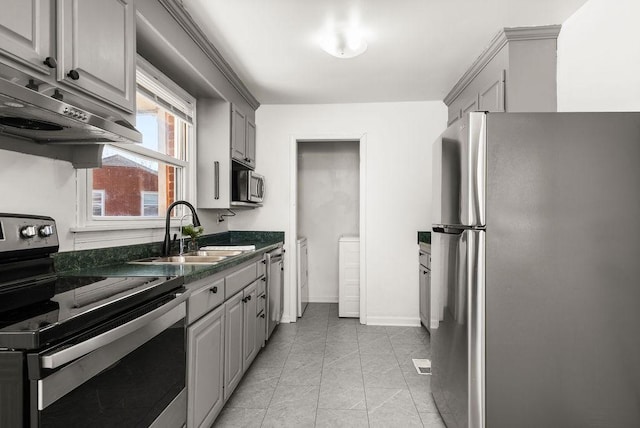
{"points": [[28, 232], [46, 230]]}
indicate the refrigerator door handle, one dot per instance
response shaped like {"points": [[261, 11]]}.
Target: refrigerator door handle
{"points": [[473, 180], [474, 243]]}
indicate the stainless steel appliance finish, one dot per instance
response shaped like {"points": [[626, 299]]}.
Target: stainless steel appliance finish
{"points": [[275, 286], [27, 113], [85, 351], [425, 288], [247, 186], [535, 261]]}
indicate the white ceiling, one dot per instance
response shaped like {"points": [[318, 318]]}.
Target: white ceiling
{"points": [[417, 51]]}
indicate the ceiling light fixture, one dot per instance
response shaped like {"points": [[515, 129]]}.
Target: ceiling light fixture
{"points": [[344, 42]]}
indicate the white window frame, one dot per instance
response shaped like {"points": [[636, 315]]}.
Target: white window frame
{"points": [[167, 90], [142, 204]]}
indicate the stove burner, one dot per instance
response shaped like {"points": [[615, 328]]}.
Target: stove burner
{"points": [[35, 125]]}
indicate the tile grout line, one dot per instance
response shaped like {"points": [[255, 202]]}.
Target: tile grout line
{"points": [[315, 421], [277, 383], [364, 387]]}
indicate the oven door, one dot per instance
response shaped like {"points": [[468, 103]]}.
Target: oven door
{"points": [[131, 375]]}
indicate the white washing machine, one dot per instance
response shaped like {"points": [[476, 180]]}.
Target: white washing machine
{"points": [[349, 276]]}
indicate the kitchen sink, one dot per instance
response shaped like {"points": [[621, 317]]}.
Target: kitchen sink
{"points": [[200, 257]]}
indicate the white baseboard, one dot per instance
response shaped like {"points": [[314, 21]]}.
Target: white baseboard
{"points": [[394, 321], [323, 299]]}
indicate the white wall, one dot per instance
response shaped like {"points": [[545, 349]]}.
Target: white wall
{"points": [[398, 183], [328, 207], [41, 186], [599, 57]]}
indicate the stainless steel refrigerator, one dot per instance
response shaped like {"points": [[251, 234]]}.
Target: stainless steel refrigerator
{"points": [[536, 268]]}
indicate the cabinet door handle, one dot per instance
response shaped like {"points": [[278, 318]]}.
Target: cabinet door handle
{"points": [[244, 300], [214, 289], [216, 173], [262, 316], [50, 62], [249, 297], [73, 74], [264, 297], [264, 279]]}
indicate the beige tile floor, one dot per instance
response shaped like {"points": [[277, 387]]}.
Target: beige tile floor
{"points": [[325, 371]]}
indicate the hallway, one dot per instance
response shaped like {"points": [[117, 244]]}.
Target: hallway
{"points": [[326, 371]]}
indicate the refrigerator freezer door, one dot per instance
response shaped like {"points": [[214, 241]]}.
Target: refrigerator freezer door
{"points": [[458, 343], [459, 173]]}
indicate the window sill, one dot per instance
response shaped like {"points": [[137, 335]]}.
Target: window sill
{"points": [[115, 228]]}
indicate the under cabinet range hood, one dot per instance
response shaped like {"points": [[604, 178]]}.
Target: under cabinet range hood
{"points": [[33, 115]]}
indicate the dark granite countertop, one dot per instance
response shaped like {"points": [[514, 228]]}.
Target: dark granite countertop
{"points": [[424, 237], [114, 261]]}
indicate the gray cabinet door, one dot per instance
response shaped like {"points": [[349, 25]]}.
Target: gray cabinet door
{"points": [[491, 97], [470, 105], [261, 328], [250, 325], [26, 34], [206, 368], [96, 49], [250, 147], [238, 135], [233, 338]]}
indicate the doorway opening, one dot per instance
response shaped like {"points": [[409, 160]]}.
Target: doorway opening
{"points": [[328, 182]]}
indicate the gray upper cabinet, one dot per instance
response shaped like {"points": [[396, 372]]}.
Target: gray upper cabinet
{"points": [[516, 72], [251, 143], [238, 134], [213, 160], [96, 49], [85, 46], [26, 35], [243, 138]]}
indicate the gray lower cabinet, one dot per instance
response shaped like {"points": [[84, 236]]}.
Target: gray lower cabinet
{"points": [[206, 368], [250, 325], [233, 341], [227, 328]]}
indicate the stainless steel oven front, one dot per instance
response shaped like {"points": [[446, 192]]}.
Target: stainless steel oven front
{"points": [[129, 372]]}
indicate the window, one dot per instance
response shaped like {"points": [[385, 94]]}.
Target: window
{"points": [[98, 203], [137, 182], [149, 204]]}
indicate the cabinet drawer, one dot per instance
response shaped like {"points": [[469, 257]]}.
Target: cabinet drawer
{"points": [[240, 279], [262, 285], [205, 299], [425, 259]]}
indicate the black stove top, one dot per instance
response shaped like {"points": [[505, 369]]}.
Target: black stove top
{"points": [[77, 304], [39, 307]]}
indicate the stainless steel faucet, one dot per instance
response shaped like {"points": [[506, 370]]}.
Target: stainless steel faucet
{"points": [[166, 245]]}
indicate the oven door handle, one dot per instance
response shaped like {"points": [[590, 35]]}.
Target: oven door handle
{"points": [[58, 358]]}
